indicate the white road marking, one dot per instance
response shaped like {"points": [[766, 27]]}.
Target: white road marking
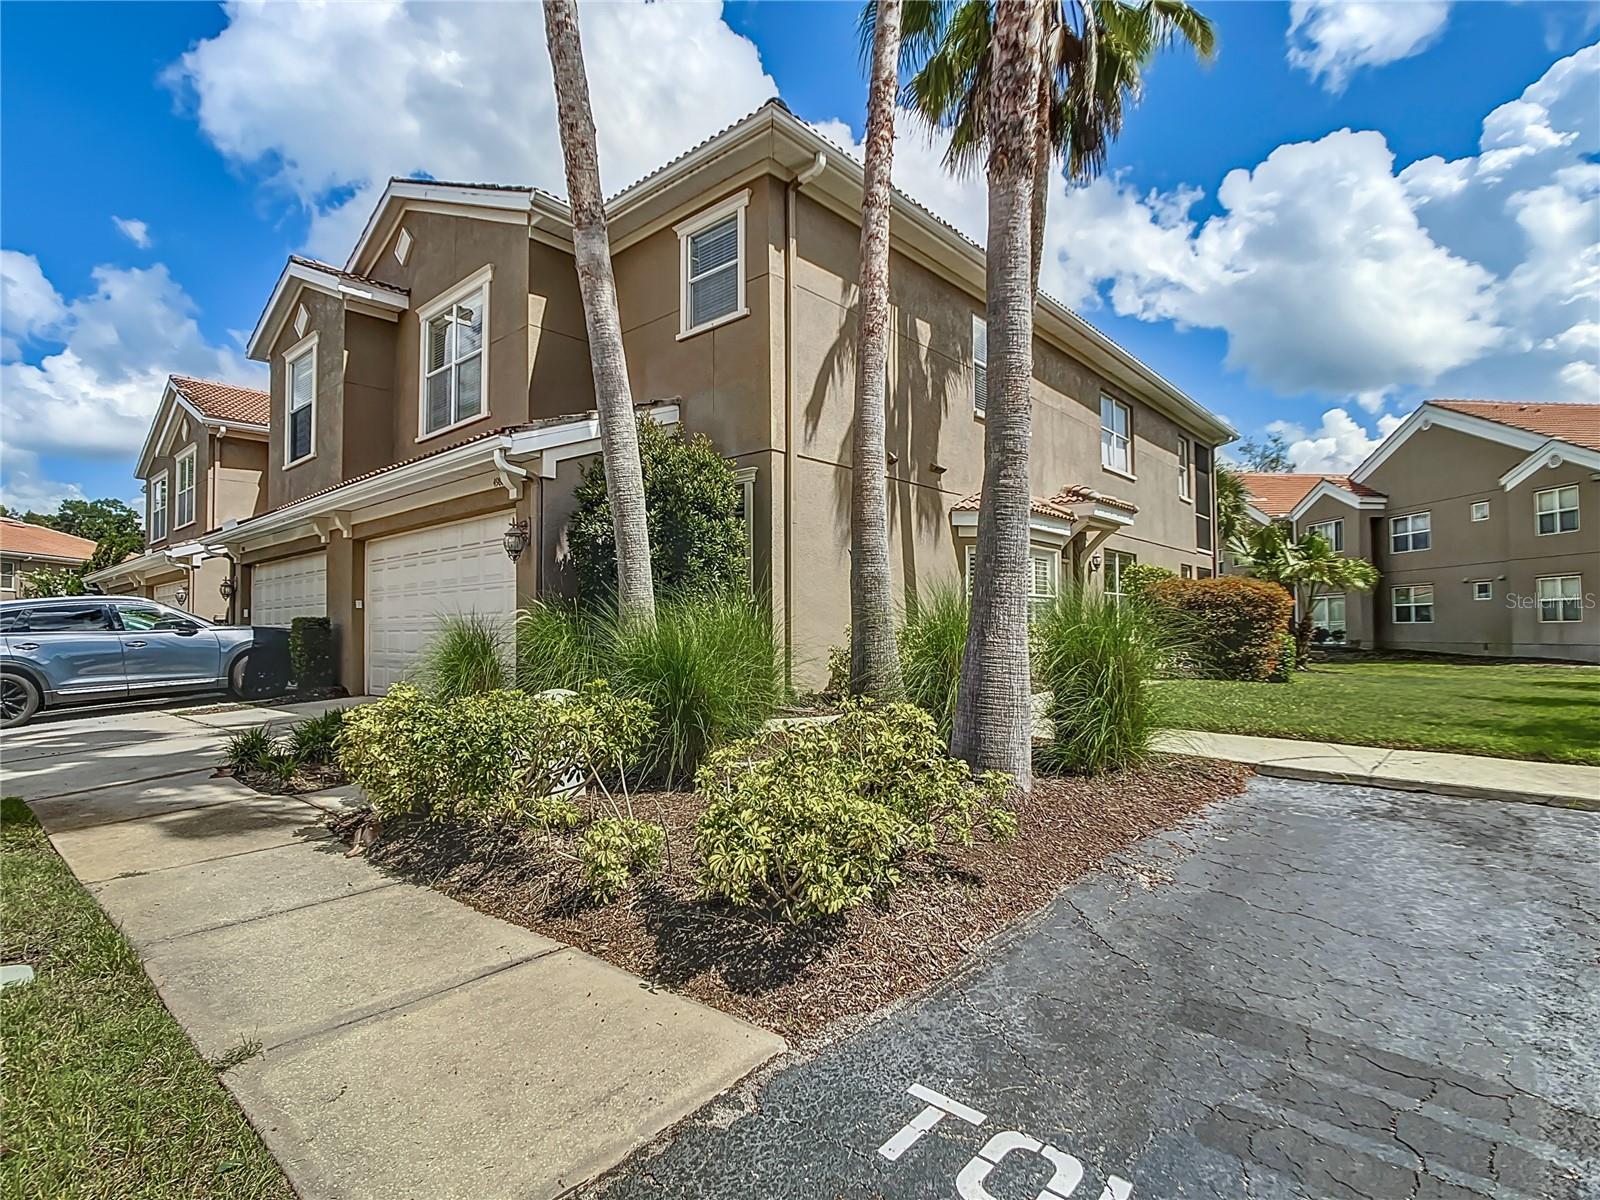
{"points": [[938, 1108]]}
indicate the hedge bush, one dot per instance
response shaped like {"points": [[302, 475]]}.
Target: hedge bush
{"points": [[1239, 623], [817, 818], [311, 652]]}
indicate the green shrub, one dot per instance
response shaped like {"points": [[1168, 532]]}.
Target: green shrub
{"points": [[1138, 578], [50, 581], [932, 641], [556, 647], [1287, 660], [697, 531], [314, 739], [250, 749], [492, 756], [817, 818], [1239, 622], [612, 850], [555, 813], [466, 657], [1098, 658], [838, 684], [311, 652]]}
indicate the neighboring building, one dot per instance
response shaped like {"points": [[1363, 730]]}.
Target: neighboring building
{"points": [[203, 465], [25, 548], [434, 391], [1481, 519]]}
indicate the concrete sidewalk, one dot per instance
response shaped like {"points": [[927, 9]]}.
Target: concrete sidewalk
{"points": [[408, 1045], [1470, 775]]}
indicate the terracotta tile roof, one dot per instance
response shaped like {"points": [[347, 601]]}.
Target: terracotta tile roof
{"points": [[1058, 505], [1575, 423], [1276, 493], [20, 539], [224, 401], [350, 276]]}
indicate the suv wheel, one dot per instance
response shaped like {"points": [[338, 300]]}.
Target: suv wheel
{"points": [[19, 700], [236, 676]]}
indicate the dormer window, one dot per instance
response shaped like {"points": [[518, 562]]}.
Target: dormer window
{"points": [[184, 466], [157, 521], [711, 264], [300, 428]]}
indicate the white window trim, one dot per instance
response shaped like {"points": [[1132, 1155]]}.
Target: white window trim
{"points": [[745, 477], [1185, 467], [478, 280], [734, 205], [1411, 603], [1338, 546], [158, 485], [1485, 583], [1051, 555], [1472, 511], [1105, 466], [1327, 600], [1409, 532], [1576, 509], [306, 345], [192, 458], [1539, 601], [1105, 578], [980, 412]]}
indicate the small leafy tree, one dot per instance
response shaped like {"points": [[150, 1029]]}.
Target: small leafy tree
{"points": [[1269, 456], [1301, 567], [697, 536], [52, 581]]}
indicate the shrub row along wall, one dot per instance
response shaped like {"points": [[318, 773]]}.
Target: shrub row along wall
{"points": [[1238, 624]]}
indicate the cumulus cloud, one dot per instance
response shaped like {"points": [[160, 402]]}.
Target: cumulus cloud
{"points": [[1332, 39], [458, 91], [105, 358], [135, 230], [1337, 445]]}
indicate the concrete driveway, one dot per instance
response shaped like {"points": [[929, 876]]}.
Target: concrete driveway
{"points": [[1316, 991]]}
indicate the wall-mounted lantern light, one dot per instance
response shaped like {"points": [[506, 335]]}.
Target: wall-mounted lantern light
{"points": [[1094, 561], [181, 595], [228, 588], [515, 539]]}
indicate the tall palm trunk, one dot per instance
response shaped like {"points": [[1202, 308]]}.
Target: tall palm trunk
{"points": [[619, 435], [993, 724], [874, 663]]}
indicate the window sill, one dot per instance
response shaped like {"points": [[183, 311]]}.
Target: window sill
{"points": [[1186, 500], [1422, 550], [1555, 532], [1119, 474], [184, 525], [298, 462], [717, 324], [444, 429]]}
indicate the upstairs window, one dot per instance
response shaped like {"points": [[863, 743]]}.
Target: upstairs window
{"points": [[1480, 510], [185, 501], [711, 263], [157, 521], [1332, 532], [1411, 532], [1555, 510], [453, 359], [1185, 488], [300, 430], [1202, 496], [980, 365], [1116, 441]]}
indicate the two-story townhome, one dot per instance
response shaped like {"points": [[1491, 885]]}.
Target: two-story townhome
{"points": [[1481, 519], [430, 400], [26, 548], [203, 466]]}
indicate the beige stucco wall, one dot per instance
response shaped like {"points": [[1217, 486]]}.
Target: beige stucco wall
{"points": [[1358, 537]]}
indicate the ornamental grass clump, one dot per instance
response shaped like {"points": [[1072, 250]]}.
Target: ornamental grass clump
{"points": [[932, 641], [468, 656], [814, 819]]}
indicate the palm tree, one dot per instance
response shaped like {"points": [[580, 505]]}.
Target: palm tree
{"points": [[874, 660], [994, 718], [591, 245], [1303, 566], [1232, 500]]}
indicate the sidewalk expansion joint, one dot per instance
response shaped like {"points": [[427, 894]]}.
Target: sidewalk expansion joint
{"points": [[163, 942]]}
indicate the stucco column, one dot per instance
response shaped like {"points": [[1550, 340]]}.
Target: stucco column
{"points": [[528, 509], [346, 591]]}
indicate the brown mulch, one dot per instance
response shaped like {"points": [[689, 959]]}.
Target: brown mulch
{"points": [[307, 778], [800, 980]]}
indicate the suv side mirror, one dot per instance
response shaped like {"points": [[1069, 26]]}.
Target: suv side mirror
{"points": [[181, 628]]}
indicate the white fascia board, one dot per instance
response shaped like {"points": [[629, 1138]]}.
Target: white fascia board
{"points": [[1324, 488], [400, 192], [149, 561], [1049, 529], [1256, 515], [296, 275], [1427, 416], [1553, 452], [1101, 514], [171, 401]]}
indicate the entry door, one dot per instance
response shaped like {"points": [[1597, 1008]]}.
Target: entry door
{"points": [[415, 580]]}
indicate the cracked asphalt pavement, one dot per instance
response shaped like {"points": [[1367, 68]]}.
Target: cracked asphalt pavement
{"points": [[1310, 991]]}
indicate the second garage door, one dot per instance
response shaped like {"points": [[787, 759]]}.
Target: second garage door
{"points": [[167, 593], [416, 579], [289, 588]]}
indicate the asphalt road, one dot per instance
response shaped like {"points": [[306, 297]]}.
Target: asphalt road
{"points": [[1315, 991]]}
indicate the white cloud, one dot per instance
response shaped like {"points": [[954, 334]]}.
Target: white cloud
{"points": [[23, 490], [29, 305], [93, 391], [459, 91], [135, 230], [1335, 446], [1332, 39]]}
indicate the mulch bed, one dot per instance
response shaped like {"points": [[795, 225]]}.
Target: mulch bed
{"points": [[803, 980], [307, 778]]}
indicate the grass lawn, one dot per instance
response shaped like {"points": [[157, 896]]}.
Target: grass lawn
{"points": [[104, 1095], [1522, 710]]}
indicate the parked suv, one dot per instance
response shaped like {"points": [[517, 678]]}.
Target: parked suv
{"points": [[83, 649]]}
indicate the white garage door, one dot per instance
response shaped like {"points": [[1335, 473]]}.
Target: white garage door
{"points": [[289, 588], [416, 579], [167, 593]]}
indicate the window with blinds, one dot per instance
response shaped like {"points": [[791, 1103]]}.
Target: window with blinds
{"points": [[300, 428], [980, 365], [1044, 565], [711, 253]]}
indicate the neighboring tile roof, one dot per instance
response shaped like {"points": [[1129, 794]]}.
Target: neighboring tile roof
{"points": [[365, 280], [1276, 493], [1058, 505], [20, 539], [224, 401], [1575, 423]]}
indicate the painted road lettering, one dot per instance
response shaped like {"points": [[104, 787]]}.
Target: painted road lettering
{"points": [[970, 1179]]}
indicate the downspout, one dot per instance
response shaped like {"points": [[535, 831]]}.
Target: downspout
{"points": [[790, 193]]}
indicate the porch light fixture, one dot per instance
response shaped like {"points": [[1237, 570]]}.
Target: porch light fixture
{"points": [[1094, 561], [181, 595], [227, 587], [515, 539]]}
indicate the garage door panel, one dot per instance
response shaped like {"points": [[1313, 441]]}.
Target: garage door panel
{"points": [[415, 580], [289, 588], [167, 593]]}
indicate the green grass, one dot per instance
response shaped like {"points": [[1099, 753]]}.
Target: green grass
{"points": [[105, 1096], [1523, 710]]}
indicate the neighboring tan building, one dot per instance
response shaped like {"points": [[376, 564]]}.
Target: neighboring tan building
{"points": [[25, 548], [202, 466], [1481, 518], [435, 391]]}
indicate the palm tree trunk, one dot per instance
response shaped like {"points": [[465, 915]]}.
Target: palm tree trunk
{"points": [[874, 664], [619, 435], [1043, 159], [993, 723]]}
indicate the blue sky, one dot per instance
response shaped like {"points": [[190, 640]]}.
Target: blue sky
{"points": [[1447, 244]]}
